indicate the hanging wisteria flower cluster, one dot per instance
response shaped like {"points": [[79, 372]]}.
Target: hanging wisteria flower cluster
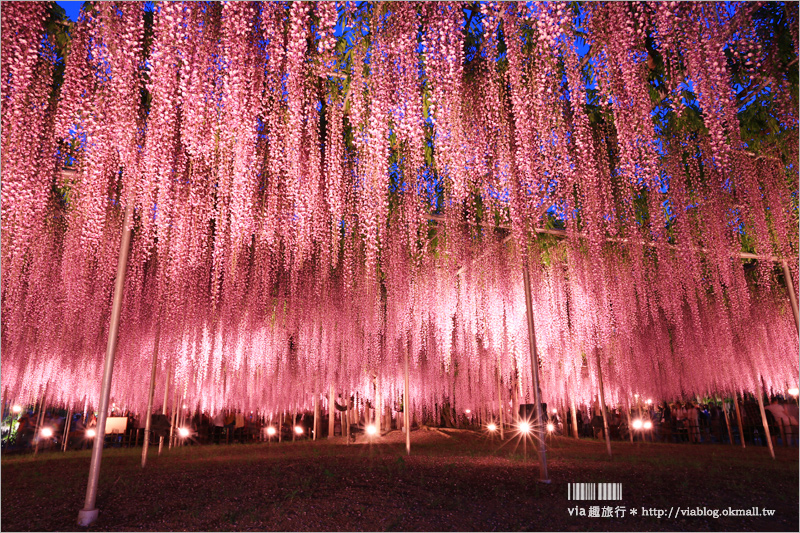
{"points": [[320, 189]]}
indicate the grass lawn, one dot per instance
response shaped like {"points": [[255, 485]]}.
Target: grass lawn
{"points": [[457, 480]]}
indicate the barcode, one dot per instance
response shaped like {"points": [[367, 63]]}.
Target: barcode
{"points": [[594, 491]]}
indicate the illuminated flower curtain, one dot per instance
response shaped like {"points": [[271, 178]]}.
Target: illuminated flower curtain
{"points": [[321, 188]]}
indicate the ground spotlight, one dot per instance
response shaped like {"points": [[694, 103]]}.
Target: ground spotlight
{"points": [[47, 433], [637, 424], [183, 432], [90, 433], [648, 425], [298, 430], [492, 428], [271, 431], [550, 427], [17, 409], [794, 391], [371, 430], [524, 427]]}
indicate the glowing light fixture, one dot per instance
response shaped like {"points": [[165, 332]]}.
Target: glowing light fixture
{"points": [[47, 433], [648, 425], [468, 411], [550, 427], [90, 433], [371, 430], [555, 411], [492, 428], [298, 430], [524, 427], [637, 424], [18, 409], [183, 432], [649, 401], [794, 391], [271, 431]]}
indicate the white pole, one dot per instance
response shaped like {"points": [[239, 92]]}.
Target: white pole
{"points": [[89, 513], [148, 414], [537, 393]]}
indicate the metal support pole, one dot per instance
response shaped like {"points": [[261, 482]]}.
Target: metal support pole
{"points": [[628, 413], [739, 418], [331, 411], [407, 406], [500, 403], [767, 436], [378, 404], [316, 415], [89, 513], [174, 416], [149, 415], [603, 405], [66, 429], [537, 393], [792, 296], [574, 416], [727, 423], [40, 422], [164, 407]]}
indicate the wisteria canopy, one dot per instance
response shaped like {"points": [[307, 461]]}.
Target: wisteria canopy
{"points": [[319, 189]]}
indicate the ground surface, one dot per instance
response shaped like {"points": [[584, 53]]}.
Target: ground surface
{"points": [[456, 481]]}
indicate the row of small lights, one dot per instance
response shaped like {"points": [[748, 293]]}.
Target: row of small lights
{"points": [[523, 427]]}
